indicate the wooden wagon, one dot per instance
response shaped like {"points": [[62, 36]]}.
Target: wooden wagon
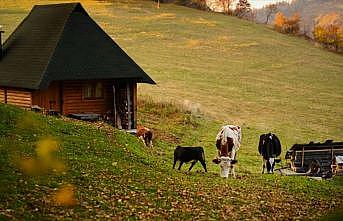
{"points": [[319, 157]]}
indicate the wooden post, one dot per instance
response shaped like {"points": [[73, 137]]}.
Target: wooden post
{"points": [[114, 106], [302, 158], [128, 105], [134, 105], [1, 48]]}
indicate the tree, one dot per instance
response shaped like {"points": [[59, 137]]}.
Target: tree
{"points": [[243, 8], [328, 31], [270, 10], [287, 25], [292, 25], [226, 6], [279, 21]]}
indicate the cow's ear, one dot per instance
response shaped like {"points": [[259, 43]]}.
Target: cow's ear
{"points": [[233, 161], [277, 160]]}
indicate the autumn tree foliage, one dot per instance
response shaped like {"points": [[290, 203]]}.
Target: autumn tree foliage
{"points": [[287, 25], [243, 9], [226, 4], [279, 21], [328, 31]]}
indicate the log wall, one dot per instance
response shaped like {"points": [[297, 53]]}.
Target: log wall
{"points": [[74, 101], [68, 97], [2, 95], [18, 97], [49, 99]]}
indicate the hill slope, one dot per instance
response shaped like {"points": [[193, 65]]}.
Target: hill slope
{"points": [[114, 176], [234, 72]]}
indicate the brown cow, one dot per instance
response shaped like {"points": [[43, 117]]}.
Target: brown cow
{"points": [[145, 134]]}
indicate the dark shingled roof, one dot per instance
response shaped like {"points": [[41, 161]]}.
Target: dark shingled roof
{"points": [[62, 42]]}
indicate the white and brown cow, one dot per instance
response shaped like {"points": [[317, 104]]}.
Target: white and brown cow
{"points": [[269, 148], [145, 134], [228, 142]]}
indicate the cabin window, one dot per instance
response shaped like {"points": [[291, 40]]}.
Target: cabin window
{"points": [[88, 91], [93, 91], [98, 90]]}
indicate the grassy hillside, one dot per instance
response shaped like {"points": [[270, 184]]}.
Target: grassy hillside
{"points": [[219, 70], [233, 70], [113, 175]]}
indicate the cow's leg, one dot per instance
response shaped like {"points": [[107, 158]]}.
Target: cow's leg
{"points": [[142, 139], [147, 141], [181, 162], [233, 171], [203, 165], [174, 163], [233, 153], [192, 165], [263, 165]]}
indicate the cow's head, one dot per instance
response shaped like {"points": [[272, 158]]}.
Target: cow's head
{"points": [[226, 166], [270, 164]]}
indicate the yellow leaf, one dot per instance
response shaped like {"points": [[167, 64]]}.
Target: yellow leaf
{"points": [[65, 196], [28, 166], [45, 147]]}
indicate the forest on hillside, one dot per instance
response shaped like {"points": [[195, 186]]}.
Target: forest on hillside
{"points": [[309, 11]]}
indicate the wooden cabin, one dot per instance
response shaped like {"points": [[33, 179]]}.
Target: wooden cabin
{"points": [[321, 155], [58, 59]]}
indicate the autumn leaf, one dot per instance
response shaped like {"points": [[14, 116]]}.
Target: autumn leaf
{"points": [[65, 196], [29, 166], [45, 147]]}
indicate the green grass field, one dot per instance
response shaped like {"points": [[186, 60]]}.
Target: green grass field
{"points": [[115, 177], [216, 69]]}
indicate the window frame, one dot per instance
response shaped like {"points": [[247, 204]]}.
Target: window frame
{"points": [[93, 91]]}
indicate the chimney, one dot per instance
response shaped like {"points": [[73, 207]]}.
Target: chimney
{"points": [[1, 31]]}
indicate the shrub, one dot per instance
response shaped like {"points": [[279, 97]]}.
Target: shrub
{"points": [[328, 31], [287, 25]]}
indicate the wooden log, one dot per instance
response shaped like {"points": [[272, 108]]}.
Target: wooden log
{"points": [[19, 97], [2, 95]]}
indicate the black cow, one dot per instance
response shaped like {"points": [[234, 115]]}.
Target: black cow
{"points": [[270, 148], [187, 154]]}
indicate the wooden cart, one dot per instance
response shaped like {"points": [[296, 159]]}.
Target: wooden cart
{"points": [[318, 157]]}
